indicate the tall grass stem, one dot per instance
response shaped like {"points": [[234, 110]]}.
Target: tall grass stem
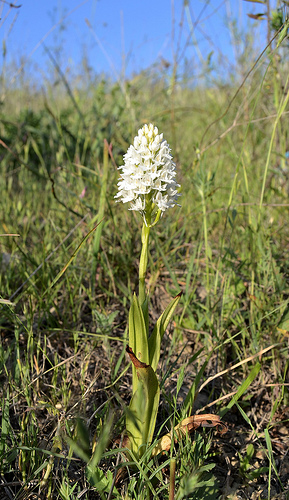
{"points": [[101, 212]]}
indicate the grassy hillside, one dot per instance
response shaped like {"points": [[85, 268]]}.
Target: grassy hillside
{"points": [[65, 375]]}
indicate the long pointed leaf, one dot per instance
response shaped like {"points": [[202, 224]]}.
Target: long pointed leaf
{"points": [[243, 387], [154, 343], [137, 335], [73, 256], [191, 396], [141, 419]]}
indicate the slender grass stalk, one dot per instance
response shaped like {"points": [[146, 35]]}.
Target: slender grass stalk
{"points": [[100, 214], [207, 249], [281, 110]]}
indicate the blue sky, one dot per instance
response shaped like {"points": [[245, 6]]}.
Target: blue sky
{"points": [[121, 36]]}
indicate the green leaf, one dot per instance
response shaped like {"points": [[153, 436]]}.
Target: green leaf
{"points": [[5, 424], [145, 310], [137, 335], [282, 35], [195, 481], [252, 375], [245, 461], [101, 444], [154, 343], [81, 446], [102, 482], [191, 396], [180, 380], [143, 408], [82, 435], [283, 325], [72, 257]]}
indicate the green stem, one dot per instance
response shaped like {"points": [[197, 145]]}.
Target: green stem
{"points": [[100, 215], [280, 111], [143, 262], [205, 226]]}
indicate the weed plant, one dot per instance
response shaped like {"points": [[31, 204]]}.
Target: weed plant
{"points": [[65, 378]]}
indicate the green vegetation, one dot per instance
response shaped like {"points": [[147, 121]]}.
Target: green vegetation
{"points": [[65, 375]]}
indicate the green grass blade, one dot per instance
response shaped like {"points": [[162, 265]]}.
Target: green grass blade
{"points": [[154, 342], [243, 388], [72, 257]]}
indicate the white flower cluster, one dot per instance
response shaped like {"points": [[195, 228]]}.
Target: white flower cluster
{"points": [[148, 173]]}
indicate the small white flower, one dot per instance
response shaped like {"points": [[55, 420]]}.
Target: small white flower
{"points": [[147, 180]]}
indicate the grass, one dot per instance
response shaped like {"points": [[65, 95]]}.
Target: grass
{"points": [[65, 377]]}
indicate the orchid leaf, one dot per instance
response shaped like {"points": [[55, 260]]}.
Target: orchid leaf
{"points": [[154, 343], [143, 408], [137, 335], [145, 310]]}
